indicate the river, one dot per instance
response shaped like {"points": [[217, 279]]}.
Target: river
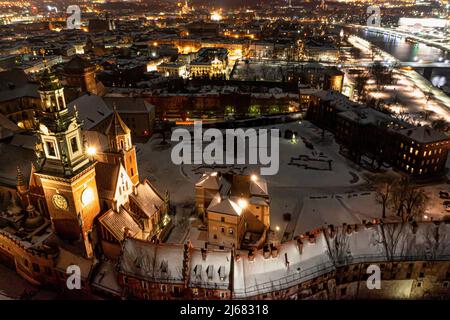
{"points": [[409, 52]]}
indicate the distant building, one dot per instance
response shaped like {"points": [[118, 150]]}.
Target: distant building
{"points": [[80, 73], [172, 69], [19, 98], [366, 132], [321, 49], [210, 63]]}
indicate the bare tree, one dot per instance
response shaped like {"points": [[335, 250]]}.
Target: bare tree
{"points": [[384, 193], [337, 243], [440, 125], [408, 200], [393, 238]]}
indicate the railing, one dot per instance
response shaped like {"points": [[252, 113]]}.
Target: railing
{"points": [[319, 270]]}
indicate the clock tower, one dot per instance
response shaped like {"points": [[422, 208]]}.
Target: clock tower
{"points": [[66, 173]]}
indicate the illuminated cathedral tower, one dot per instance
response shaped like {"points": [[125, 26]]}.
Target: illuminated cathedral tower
{"points": [[121, 149], [63, 168]]}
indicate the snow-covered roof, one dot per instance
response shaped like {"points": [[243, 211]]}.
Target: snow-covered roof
{"points": [[424, 134], [210, 269], [209, 180], [225, 206], [300, 260], [116, 222], [146, 197], [91, 110], [258, 187], [152, 262]]}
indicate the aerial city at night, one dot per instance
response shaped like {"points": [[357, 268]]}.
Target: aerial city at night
{"points": [[224, 150]]}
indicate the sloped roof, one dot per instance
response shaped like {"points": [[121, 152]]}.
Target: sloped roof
{"points": [[211, 272], [258, 187], [147, 198], [209, 180], [424, 134], [117, 126], [116, 222], [225, 206], [15, 84], [153, 262], [91, 110]]}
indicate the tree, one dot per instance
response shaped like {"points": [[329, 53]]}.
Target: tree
{"points": [[384, 193], [382, 74], [360, 84], [440, 125], [408, 201]]}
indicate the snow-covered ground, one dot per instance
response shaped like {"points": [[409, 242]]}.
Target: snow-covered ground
{"points": [[287, 189], [312, 197]]}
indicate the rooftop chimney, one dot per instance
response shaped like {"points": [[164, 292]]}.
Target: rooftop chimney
{"points": [[274, 250], [266, 251], [251, 255], [204, 253], [300, 245]]}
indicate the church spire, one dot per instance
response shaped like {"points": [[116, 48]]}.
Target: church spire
{"points": [[118, 133]]}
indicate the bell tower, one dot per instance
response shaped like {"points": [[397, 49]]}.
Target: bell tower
{"points": [[65, 171], [121, 147]]}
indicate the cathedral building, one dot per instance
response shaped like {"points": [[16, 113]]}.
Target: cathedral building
{"points": [[79, 204]]}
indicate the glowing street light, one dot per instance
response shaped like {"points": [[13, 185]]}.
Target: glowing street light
{"points": [[242, 203], [91, 151]]}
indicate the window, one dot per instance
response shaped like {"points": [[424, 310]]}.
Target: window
{"points": [[222, 229], [230, 230], [343, 291], [74, 144], [164, 288], [51, 151], [222, 219]]}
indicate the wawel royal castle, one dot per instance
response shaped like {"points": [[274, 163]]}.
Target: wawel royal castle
{"points": [[89, 208]]}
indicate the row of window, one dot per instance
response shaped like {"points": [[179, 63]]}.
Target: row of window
{"points": [[425, 153]]}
